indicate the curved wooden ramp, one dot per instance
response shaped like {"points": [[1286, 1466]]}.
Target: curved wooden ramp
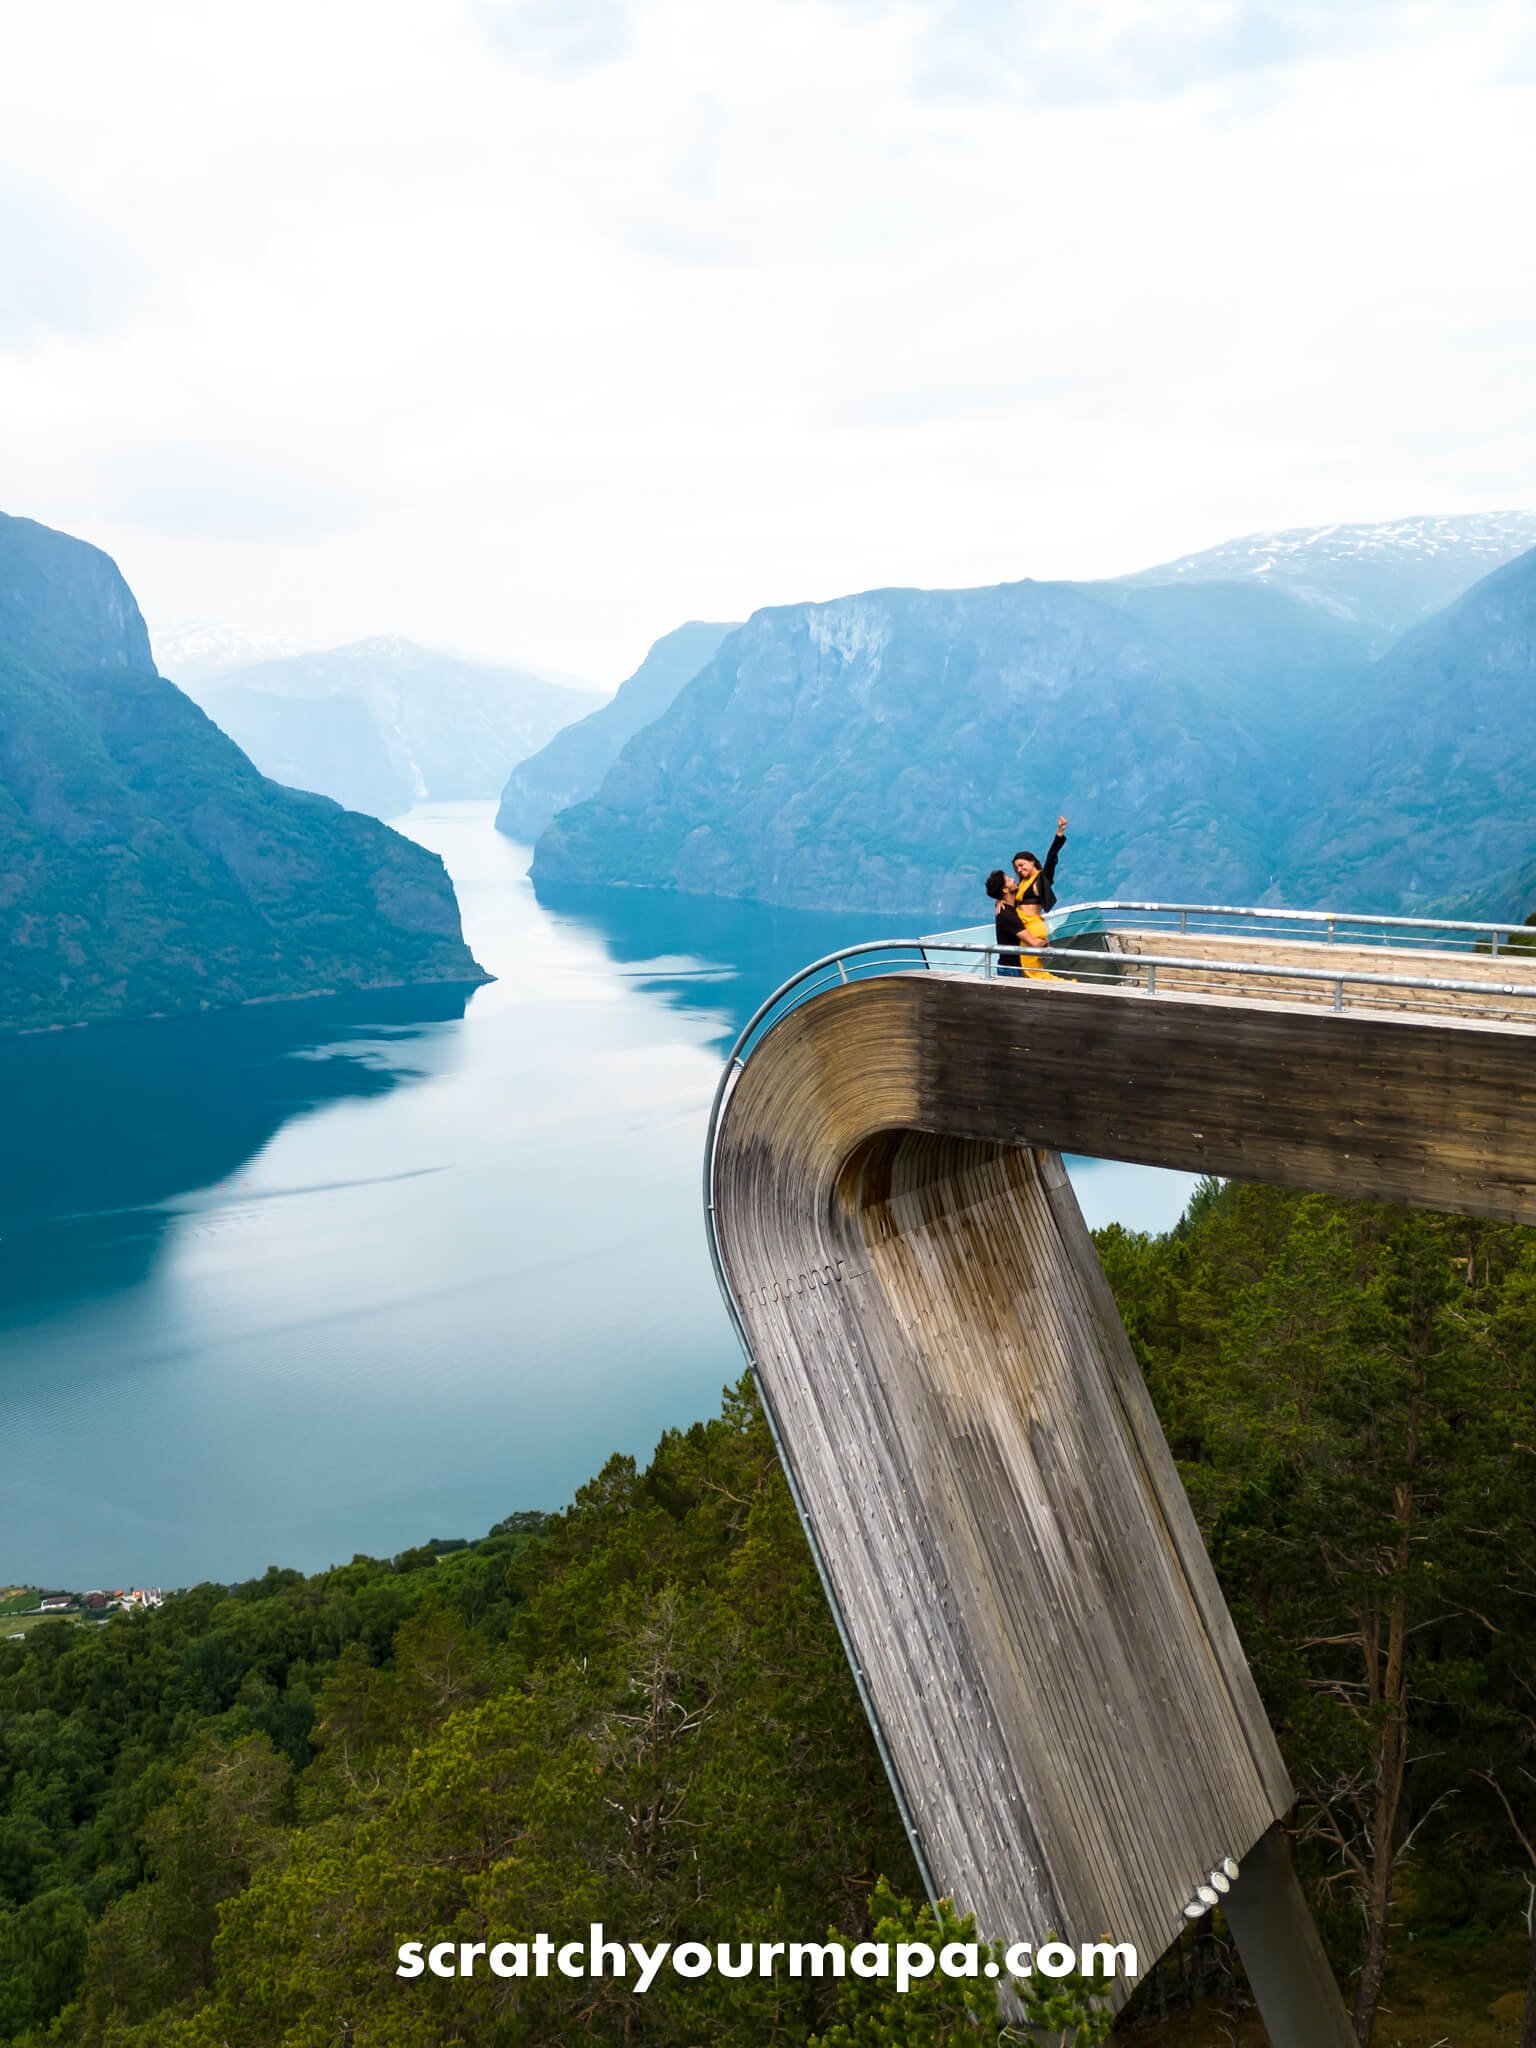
{"points": [[1045, 1655]]}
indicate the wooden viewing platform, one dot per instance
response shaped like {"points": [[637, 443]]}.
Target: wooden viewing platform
{"points": [[1049, 1667]]}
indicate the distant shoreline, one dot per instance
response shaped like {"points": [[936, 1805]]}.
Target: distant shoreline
{"points": [[306, 995]]}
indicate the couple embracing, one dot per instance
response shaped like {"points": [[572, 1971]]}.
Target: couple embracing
{"points": [[1020, 902]]}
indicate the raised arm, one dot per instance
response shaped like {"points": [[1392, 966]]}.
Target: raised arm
{"points": [[1049, 870]]}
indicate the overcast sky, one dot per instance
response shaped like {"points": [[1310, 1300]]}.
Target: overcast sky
{"points": [[535, 327]]}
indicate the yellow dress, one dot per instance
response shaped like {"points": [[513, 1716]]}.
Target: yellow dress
{"points": [[1037, 931]]}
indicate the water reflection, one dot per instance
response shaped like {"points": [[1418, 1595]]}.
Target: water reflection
{"points": [[705, 956], [292, 1282], [105, 1128]]}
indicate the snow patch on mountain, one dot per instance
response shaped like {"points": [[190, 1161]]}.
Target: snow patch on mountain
{"points": [[1386, 574], [197, 648]]}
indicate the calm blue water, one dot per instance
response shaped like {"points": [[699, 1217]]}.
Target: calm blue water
{"points": [[317, 1278]]}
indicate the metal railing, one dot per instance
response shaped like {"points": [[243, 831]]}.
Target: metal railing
{"points": [[1326, 927], [1133, 975], [1352, 988]]}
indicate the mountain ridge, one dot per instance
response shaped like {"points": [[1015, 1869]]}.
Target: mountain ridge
{"points": [[883, 748], [859, 750], [1386, 575], [148, 868]]}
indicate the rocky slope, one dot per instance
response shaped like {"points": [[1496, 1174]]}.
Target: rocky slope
{"points": [[885, 750], [575, 761], [1384, 577], [384, 723], [145, 865]]}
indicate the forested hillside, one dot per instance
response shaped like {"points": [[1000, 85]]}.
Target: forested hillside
{"points": [[222, 1818]]}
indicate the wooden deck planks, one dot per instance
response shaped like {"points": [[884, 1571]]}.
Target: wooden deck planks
{"points": [[1482, 977]]}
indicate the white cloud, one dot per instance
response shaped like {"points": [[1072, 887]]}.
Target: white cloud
{"points": [[539, 329], [62, 273], [568, 35], [1072, 52]]}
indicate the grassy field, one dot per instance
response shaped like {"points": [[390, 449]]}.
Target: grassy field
{"points": [[19, 1624], [14, 1618]]}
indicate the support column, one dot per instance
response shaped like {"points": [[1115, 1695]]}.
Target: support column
{"points": [[1282, 1953]]}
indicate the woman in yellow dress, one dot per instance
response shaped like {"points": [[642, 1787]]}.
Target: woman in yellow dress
{"points": [[1033, 932], [1032, 895]]}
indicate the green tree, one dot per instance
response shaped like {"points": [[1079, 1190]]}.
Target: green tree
{"points": [[936, 2010], [153, 1948], [1348, 1388]]}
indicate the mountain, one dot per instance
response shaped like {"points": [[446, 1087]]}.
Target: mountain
{"points": [[384, 723], [145, 865], [1385, 577], [1434, 798], [1272, 661], [197, 650], [575, 761], [885, 750]]}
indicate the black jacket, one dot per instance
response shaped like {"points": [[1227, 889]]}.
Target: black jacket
{"points": [[1040, 891]]}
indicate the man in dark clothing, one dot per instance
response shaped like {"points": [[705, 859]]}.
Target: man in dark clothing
{"points": [[1009, 926], [1036, 883]]}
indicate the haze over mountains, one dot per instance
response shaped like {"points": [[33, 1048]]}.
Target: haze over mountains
{"points": [[145, 865], [575, 761], [383, 723], [1221, 729]]}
